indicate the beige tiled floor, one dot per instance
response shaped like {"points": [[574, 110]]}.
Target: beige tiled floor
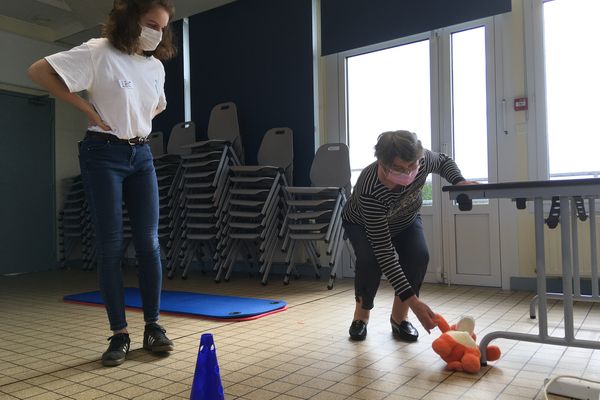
{"points": [[50, 349]]}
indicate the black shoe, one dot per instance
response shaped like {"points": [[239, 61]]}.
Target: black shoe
{"points": [[117, 350], [155, 339], [404, 331], [358, 330]]}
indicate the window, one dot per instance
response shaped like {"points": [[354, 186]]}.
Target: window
{"points": [[469, 103], [572, 85], [387, 90]]}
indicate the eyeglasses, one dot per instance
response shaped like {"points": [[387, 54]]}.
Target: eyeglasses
{"points": [[395, 170]]}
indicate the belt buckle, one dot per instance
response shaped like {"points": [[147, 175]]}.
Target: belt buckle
{"points": [[133, 141]]}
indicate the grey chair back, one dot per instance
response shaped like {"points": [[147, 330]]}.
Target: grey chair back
{"points": [[223, 125], [331, 166], [182, 133], [157, 144], [223, 122], [277, 149]]}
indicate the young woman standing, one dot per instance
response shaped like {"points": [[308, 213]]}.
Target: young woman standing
{"points": [[124, 79]]}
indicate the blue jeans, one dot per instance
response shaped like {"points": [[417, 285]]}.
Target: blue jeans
{"points": [[113, 173]]}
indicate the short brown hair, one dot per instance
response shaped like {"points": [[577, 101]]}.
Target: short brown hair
{"points": [[401, 144], [123, 27]]}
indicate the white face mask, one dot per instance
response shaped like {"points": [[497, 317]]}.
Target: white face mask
{"points": [[149, 39], [402, 178]]}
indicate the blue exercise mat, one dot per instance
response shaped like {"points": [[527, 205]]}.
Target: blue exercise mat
{"points": [[195, 304]]}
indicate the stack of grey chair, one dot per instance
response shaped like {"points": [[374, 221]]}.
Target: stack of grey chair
{"points": [[313, 217], [204, 190], [169, 176], [255, 205], [74, 225], [165, 174]]}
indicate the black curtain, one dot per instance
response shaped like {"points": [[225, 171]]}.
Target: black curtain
{"points": [[349, 24], [258, 54], [175, 111]]}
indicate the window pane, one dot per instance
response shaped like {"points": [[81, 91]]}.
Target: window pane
{"points": [[387, 90], [469, 103], [572, 86]]}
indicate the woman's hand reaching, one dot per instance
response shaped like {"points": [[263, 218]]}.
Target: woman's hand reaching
{"points": [[423, 313]]}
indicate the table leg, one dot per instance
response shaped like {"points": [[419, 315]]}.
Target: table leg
{"points": [[575, 249], [594, 254], [567, 271]]}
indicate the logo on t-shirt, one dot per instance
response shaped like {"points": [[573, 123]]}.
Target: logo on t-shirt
{"points": [[126, 84]]}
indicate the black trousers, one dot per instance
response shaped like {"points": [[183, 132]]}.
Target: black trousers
{"points": [[412, 252]]}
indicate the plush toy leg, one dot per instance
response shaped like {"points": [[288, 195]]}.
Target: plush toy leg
{"points": [[492, 353], [454, 366], [471, 363], [443, 345]]}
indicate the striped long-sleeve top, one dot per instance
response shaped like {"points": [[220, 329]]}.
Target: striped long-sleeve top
{"points": [[384, 212]]}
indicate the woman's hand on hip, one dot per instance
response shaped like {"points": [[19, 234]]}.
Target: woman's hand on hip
{"points": [[423, 312], [42, 73], [96, 120]]}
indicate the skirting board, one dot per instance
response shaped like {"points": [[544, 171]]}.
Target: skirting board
{"points": [[553, 284], [304, 269]]}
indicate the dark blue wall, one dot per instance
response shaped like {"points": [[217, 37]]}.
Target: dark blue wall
{"points": [[175, 111], [349, 24], [258, 54]]}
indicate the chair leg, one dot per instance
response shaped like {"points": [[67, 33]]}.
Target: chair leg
{"points": [[234, 254], [269, 259], [225, 264], [290, 262], [189, 258], [314, 260]]}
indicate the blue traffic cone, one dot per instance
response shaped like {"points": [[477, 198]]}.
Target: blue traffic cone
{"points": [[207, 379]]}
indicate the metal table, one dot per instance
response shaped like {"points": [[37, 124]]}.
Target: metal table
{"points": [[566, 195]]}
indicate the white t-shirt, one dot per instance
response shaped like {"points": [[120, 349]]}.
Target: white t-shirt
{"points": [[124, 89]]}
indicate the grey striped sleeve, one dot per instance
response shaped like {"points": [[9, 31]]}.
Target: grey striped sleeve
{"points": [[444, 166]]}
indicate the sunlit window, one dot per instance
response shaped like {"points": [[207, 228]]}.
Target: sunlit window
{"points": [[572, 68], [469, 103], [387, 90]]}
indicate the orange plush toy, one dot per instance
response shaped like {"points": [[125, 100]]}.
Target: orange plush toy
{"points": [[457, 345]]}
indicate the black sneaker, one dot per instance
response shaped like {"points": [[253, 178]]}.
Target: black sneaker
{"points": [[155, 339], [117, 350], [358, 330]]}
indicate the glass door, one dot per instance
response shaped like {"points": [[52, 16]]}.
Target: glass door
{"points": [[471, 239]]}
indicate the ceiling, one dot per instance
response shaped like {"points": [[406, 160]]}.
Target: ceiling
{"points": [[72, 22]]}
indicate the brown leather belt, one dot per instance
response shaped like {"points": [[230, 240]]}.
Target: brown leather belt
{"points": [[114, 139]]}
